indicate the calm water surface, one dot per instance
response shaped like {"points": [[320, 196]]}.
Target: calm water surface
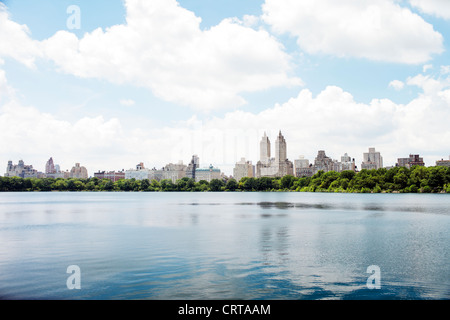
{"points": [[224, 245]]}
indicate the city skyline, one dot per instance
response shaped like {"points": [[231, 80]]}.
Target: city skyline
{"points": [[109, 84], [267, 165]]}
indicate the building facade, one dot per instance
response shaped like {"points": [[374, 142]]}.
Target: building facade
{"points": [[243, 169], [192, 166], [22, 170], [110, 175], [50, 167], [140, 173], [323, 163], [347, 163], [207, 174], [413, 160], [171, 172], [372, 160], [79, 172], [443, 163], [300, 165]]}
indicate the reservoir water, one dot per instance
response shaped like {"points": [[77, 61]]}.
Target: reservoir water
{"points": [[252, 246]]}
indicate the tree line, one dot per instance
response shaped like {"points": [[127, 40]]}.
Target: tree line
{"points": [[395, 180]]}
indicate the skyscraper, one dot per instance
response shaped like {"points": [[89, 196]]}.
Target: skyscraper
{"points": [[50, 167], [280, 149], [372, 160], [193, 165], [264, 149], [274, 167]]}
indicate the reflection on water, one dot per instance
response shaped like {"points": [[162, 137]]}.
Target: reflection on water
{"points": [[405, 207], [224, 246]]}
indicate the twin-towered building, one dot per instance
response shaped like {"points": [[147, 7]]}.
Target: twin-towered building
{"points": [[278, 166]]}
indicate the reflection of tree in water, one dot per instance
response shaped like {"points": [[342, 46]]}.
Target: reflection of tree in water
{"points": [[278, 205]]}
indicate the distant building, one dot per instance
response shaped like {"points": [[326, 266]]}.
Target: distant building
{"points": [[53, 170], [413, 160], [79, 172], [50, 167], [305, 172], [299, 163], [372, 160], [324, 163], [175, 172], [243, 169], [171, 171], [192, 166], [443, 163], [207, 174], [279, 166], [347, 163], [23, 171], [110, 175], [140, 173]]}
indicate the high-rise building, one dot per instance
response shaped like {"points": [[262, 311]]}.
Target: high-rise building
{"points": [[413, 160], [50, 167], [280, 149], [279, 166], [347, 163], [243, 169], [264, 150], [372, 160], [21, 170], [79, 172], [193, 165]]}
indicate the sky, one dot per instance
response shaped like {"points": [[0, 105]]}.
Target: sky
{"points": [[112, 83]]}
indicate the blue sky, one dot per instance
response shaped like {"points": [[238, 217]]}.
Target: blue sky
{"points": [[147, 81]]}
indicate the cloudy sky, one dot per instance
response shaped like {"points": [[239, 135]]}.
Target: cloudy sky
{"points": [[111, 83]]}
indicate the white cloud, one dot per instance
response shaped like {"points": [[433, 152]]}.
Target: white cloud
{"points": [[397, 84], [438, 8], [162, 47], [428, 84], [427, 67], [15, 40], [127, 102], [445, 70], [332, 121], [6, 91], [376, 30]]}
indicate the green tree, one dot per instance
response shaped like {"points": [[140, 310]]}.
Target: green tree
{"points": [[287, 182], [216, 185], [60, 185], [263, 184], [167, 185], [232, 185], [145, 185], [250, 184]]}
